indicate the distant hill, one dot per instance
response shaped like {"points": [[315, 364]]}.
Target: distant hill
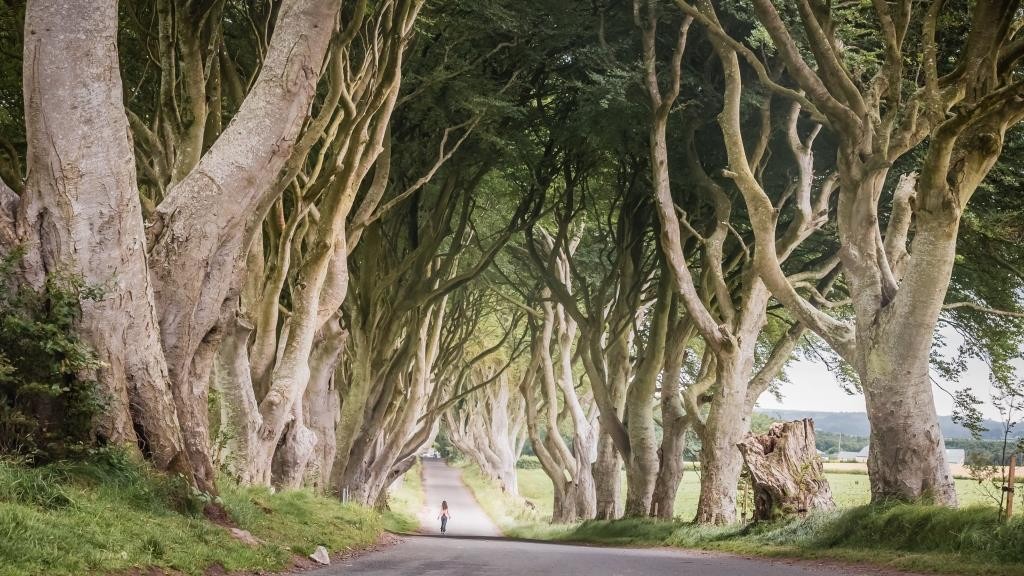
{"points": [[856, 423]]}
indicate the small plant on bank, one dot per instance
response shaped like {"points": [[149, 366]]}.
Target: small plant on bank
{"points": [[47, 397]]}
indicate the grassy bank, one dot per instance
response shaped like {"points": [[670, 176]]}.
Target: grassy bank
{"points": [[507, 511], [405, 501], [968, 541], [113, 514]]}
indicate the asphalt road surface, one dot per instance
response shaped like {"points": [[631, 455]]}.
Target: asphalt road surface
{"points": [[473, 546]]}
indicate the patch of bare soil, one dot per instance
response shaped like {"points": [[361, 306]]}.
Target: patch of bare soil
{"points": [[218, 515]]}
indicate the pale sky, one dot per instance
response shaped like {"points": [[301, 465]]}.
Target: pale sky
{"points": [[812, 387]]}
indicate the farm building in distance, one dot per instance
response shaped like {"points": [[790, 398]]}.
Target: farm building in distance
{"points": [[954, 456]]}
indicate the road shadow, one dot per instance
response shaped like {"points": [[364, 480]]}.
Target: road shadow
{"points": [[472, 537]]}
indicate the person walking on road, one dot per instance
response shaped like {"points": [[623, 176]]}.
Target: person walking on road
{"points": [[444, 515]]}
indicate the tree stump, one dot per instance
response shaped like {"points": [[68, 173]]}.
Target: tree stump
{"points": [[785, 471]]}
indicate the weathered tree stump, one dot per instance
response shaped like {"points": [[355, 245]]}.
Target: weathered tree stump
{"points": [[785, 471]]}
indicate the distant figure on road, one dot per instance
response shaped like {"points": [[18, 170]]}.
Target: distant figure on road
{"points": [[444, 515]]}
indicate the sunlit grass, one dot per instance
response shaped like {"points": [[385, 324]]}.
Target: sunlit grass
{"points": [[506, 510], [405, 502]]}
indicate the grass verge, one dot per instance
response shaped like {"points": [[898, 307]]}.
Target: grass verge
{"points": [[405, 502], [969, 541], [509, 512], [113, 514]]}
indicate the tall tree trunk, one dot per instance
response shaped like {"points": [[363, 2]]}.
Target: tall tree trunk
{"points": [[81, 208], [563, 507], [896, 295], [671, 466], [240, 415], [585, 486], [607, 479], [907, 460], [907, 457], [642, 466], [720, 460], [674, 424], [200, 232], [321, 405], [294, 451]]}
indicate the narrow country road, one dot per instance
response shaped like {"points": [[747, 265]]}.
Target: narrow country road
{"points": [[474, 547], [442, 482]]}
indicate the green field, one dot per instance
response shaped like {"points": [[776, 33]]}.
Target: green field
{"points": [[848, 490]]}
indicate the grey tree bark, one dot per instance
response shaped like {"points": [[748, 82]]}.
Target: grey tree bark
{"points": [[674, 422], [643, 464], [206, 222], [896, 294], [488, 428], [80, 214]]}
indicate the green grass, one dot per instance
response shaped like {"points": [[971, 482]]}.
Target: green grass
{"points": [[848, 490], [967, 541], [114, 514], [405, 502], [506, 510]]}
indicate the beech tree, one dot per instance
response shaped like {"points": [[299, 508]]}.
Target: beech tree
{"points": [[150, 338], [489, 426], [309, 246], [953, 103], [320, 230], [731, 315], [552, 398]]}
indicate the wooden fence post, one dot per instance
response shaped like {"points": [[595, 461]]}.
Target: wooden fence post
{"points": [[1010, 478]]}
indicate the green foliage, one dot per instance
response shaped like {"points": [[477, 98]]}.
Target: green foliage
{"points": [[112, 513], [12, 126], [830, 442], [971, 532], [528, 463], [47, 401], [444, 445]]}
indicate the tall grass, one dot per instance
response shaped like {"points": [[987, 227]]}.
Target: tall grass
{"points": [[506, 510], [406, 502], [969, 541]]}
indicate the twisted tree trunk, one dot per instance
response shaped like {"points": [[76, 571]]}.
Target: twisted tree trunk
{"points": [[720, 462], [80, 213], [642, 466], [675, 425], [201, 231]]}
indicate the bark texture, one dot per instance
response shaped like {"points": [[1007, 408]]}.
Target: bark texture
{"points": [[80, 214], [489, 428], [786, 471], [201, 231], [896, 290]]}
